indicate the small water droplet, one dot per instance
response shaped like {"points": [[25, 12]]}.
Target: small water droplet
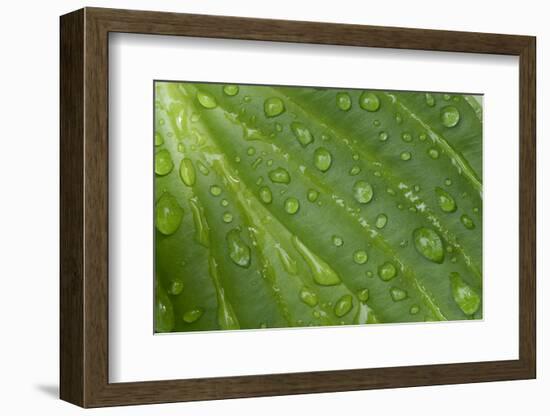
{"points": [[376, 123], [292, 205], [362, 192], [227, 217], [187, 172], [422, 137], [381, 221], [406, 137], [192, 315], [175, 287], [302, 133], [363, 295], [322, 273], [467, 222], [206, 99], [430, 100], [251, 151], [269, 162], [446, 97], [383, 136], [199, 220], [369, 274], [355, 170], [355, 156], [405, 156], [265, 195], [257, 162], [398, 294], [279, 175], [309, 297], [322, 159], [247, 98], [168, 214], [387, 271], [273, 106], [163, 162], [343, 100], [429, 244], [464, 296], [215, 190], [398, 118], [239, 252], [203, 168], [448, 182], [433, 153], [224, 202], [445, 201], [360, 257], [343, 305], [231, 90], [450, 116], [414, 309], [312, 195], [403, 243], [159, 140], [369, 101], [337, 241], [161, 122]]}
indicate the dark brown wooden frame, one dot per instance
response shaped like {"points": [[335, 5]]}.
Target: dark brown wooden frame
{"points": [[84, 207]]}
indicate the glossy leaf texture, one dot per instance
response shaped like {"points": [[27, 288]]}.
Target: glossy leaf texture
{"points": [[293, 206]]}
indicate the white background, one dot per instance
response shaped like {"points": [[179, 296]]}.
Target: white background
{"points": [[311, 349], [29, 225]]}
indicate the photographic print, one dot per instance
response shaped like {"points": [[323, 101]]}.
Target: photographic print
{"points": [[292, 206]]}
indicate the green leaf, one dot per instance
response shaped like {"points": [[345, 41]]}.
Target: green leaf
{"points": [[291, 206]]}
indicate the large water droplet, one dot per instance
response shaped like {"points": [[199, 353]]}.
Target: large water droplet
{"points": [[192, 315], [168, 214], [343, 305], [312, 195], [398, 294], [292, 205], [465, 297], [429, 244], [309, 297], [343, 100], [231, 90], [322, 159], [381, 221], [450, 116], [273, 106], [187, 172], [323, 274], [467, 222], [369, 101], [265, 195], [159, 140], [206, 99], [163, 162], [239, 252], [302, 133], [360, 257], [362, 192], [279, 175], [387, 271], [445, 201]]}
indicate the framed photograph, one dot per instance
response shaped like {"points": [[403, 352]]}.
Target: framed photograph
{"points": [[260, 207]]}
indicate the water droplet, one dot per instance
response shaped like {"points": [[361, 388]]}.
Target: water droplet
{"points": [[360, 257], [383, 136], [292, 205], [164, 311], [322, 159], [203, 168], [414, 309], [376, 123], [273, 106], [445, 201], [398, 118], [239, 252], [158, 139], [405, 156], [369, 274], [302, 133], [226, 316], [467, 222], [163, 162], [433, 153], [362, 192], [265, 195], [161, 122], [398, 294], [251, 151], [279, 175], [207, 100], [168, 214], [343, 305], [192, 315], [247, 98], [323, 274], [181, 148], [406, 137], [430, 100], [312, 195], [224, 202], [175, 287], [465, 297], [337, 241], [355, 170], [363, 295], [227, 217], [387, 271], [309, 297], [369, 101], [187, 172], [199, 220], [381, 221], [269, 162], [343, 100], [429, 244], [450, 116], [448, 182], [422, 137], [231, 90], [215, 190], [446, 97]]}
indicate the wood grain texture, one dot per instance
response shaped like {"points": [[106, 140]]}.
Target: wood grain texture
{"points": [[84, 207]]}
